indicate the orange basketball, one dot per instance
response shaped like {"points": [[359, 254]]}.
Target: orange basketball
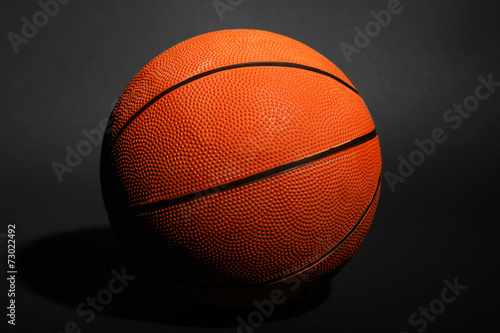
{"points": [[241, 158]]}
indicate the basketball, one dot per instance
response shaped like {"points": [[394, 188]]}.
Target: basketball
{"points": [[241, 158]]}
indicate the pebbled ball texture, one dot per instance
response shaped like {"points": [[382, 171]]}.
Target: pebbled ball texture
{"points": [[226, 126]]}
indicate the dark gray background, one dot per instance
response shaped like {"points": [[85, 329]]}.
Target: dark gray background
{"points": [[439, 224]]}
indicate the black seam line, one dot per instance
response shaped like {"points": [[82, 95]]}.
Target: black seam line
{"points": [[316, 261], [336, 246], [220, 69], [237, 183]]}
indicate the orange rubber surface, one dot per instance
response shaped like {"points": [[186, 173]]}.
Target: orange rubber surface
{"points": [[230, 125]]}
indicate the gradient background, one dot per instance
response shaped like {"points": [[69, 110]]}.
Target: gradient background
{"points": [[439, 224]]}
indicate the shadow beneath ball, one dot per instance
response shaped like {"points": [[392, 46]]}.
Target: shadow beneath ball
{"points": [[75, 268]]}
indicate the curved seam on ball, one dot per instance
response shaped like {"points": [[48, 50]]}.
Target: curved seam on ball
{"points": [[247, 180], [336, 246], [220, 69]]}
